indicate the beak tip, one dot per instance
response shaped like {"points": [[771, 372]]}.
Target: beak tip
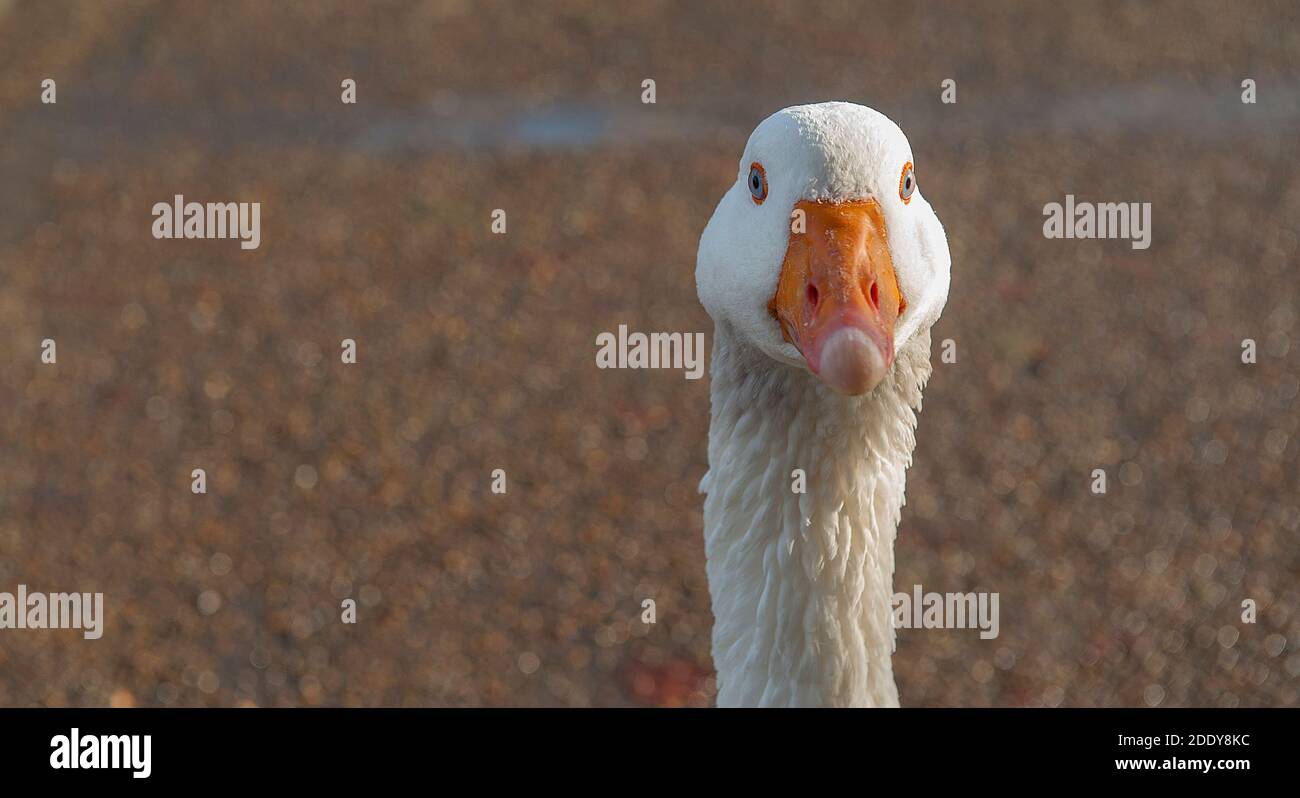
{"points": [[850, 362]]}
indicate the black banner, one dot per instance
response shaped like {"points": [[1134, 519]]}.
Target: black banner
{"points": [[334, 747]]}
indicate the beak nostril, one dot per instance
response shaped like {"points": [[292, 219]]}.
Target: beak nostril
{"points": [[812, 295], [874, 295]]}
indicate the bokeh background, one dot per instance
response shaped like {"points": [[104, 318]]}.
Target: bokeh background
{"points": [[476, 351]]}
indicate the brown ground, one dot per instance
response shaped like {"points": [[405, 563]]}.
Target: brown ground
{"points": [[476, 351]]}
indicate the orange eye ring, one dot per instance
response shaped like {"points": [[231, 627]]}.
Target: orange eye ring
{"points": [[907, 183], [757, 183]]}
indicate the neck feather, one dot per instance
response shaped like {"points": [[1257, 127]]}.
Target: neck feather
{"points": [[801, 583]]}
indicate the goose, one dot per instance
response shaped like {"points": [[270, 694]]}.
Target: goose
{"points": [[823, 269]]}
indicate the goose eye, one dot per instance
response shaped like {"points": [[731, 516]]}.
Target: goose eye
{"points": [[757, 183], [907, 183]]}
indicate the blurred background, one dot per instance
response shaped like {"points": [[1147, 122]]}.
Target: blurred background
{"points": [[476, 351]]}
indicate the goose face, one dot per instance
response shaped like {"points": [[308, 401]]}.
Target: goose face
{"points": [[824, 254]]}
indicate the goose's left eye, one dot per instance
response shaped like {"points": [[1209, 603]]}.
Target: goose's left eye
{"points": [[757, 183], [907, 183]]}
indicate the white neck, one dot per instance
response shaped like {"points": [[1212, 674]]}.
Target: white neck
{"points": [[801, 583]]}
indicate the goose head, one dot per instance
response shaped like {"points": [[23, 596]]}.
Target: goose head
{"points": [[824, 254]]}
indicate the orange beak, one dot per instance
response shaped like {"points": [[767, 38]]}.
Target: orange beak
{"points": [[837, 298]]}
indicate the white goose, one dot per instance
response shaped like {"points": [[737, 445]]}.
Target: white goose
{"points": [[823, 268]]}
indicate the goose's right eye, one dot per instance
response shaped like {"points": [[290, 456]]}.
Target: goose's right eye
{"points": [[757, 183]]}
